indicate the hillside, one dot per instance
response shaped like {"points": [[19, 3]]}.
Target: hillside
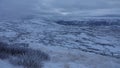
{"points": [[69, 43]]}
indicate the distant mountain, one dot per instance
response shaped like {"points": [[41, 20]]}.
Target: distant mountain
{"points": [[110, 15], [90, 22]]}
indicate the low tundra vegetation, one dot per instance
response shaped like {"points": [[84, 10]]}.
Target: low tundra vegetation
{"points": [[23, 56]]}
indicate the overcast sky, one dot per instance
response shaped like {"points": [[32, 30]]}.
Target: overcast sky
{"points": [[83, 7], [60, 7]]}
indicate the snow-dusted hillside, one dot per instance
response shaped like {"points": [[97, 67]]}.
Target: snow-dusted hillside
{"points": [[69, 45]]}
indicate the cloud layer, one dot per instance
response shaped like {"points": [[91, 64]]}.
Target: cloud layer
{"points": [[17, 8], [59, 7], [83, 7]]}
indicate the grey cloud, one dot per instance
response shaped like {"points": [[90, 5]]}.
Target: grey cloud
{"points": [[59, 7], [16, 8], [83, 7]]}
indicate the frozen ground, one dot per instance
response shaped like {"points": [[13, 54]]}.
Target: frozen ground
{"points": [[68, 46], [6, 64]]}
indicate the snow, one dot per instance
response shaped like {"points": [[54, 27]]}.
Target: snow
{"points": [[75, 59], [6, 64], [64, 65], [8, 34], [67, 46]]}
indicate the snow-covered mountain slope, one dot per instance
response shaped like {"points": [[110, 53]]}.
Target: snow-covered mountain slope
{"points": [[69, 46]]}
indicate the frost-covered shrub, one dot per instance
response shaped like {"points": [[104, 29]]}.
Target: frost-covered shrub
{"points": [[23, 56], [31, 59], [9, 49], [4, 56], [27, 62]]}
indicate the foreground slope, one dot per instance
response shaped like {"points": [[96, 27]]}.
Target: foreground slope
{"points": [[69, 46]]}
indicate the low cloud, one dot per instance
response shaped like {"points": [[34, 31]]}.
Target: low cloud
{"points": [[59, 7]]}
